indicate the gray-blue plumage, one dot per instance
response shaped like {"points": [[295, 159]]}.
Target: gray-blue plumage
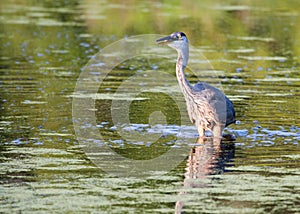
{"points": [[208, 107]]}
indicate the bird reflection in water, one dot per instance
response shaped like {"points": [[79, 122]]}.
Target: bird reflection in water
{"points": [[208, 157]]}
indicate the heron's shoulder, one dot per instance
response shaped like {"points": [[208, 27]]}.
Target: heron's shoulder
{"points": [[199, 86]]}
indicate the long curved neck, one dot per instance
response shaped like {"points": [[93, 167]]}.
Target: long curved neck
{"points": [[184, 84]]}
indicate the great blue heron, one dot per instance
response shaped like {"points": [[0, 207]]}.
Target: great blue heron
{"points": [[208, 108]]}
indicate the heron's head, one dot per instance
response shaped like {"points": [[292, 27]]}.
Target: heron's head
{"points": [[176, 40], [179, 42]]}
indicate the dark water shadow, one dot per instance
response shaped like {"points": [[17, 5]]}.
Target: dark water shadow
{"points": [[209, 156]]}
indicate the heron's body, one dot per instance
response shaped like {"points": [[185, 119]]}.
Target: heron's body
{"points": [[208, 108]]}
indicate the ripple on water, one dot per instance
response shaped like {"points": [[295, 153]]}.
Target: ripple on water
{"points": [[261, 136], [263, 58]]}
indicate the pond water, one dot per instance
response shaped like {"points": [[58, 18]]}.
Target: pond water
{"points": [[148, 160]]}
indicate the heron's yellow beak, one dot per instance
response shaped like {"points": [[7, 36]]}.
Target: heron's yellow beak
{"points": [[165, 40]]}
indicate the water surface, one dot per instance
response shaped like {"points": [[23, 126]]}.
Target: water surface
{"points": [[253, 49]]}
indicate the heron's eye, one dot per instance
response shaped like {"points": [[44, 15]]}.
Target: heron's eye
{"points": [[179, 36]]}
